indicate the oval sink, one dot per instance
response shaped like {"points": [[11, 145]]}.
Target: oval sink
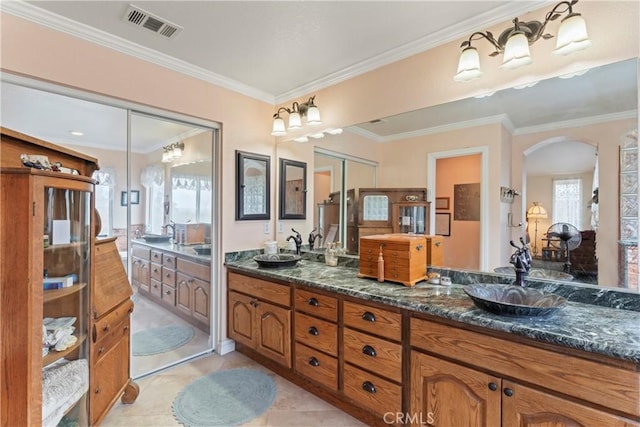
{"points": [[276, 260], [511, 300], [538, 273], [156, 238], [202, 249]]}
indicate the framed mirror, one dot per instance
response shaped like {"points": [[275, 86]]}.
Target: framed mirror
{"points": [[252, 186], [293, 189]]}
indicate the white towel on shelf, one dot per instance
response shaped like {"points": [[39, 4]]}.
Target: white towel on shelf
{"points": [[62, 386]]}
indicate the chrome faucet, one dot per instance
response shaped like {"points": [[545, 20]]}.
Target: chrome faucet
{"points": [[172, 225], [312, 238], [297, 239], [521, 261]]}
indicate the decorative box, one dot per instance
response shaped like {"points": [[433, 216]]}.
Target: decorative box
{"points": [[191, 234], [404, 256]]}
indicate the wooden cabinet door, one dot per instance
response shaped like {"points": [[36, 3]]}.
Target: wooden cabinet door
{"points": [[525, 407], [241, 322], [447, 394], [201, 308], [274, 332], [140, 274], [184, 296]]}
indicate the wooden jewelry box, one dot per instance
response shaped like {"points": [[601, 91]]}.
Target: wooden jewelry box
{"points": [[404, 257]]}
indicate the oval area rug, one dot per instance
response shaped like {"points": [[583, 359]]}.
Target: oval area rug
{"points": [[225, 398], [161, 339]]}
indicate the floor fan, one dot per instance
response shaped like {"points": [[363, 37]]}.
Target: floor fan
{"points": [[569, 238]]}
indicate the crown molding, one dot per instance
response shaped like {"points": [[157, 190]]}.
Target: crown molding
{"points": [[584, 121], [460, 30], [65, 25]]}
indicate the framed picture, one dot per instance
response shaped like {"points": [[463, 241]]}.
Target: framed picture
{"points": [[442, 203], [135, 198], [443, 224]]}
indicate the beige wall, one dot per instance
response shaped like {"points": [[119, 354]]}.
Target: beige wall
{"points": [[461, 249]]}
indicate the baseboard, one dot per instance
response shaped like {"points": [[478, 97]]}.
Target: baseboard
{"points": [[225, 346]]}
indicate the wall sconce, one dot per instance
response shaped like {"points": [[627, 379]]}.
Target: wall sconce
{"points": [[507, 194], [172, 152], [514, 42], [296, 112]]}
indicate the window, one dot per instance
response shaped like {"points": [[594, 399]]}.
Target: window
{"points": [[567, 201], [106, 182], [152, 178], [191, 198]]}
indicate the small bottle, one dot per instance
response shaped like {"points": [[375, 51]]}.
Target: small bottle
{"points": [[380, 266]]}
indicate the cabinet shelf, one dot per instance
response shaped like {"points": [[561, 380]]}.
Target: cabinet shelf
{"points": [[71, 245], [57, 355], [54, 294]]}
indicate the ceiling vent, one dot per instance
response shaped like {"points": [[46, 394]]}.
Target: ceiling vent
{"points": [[144, 19]]}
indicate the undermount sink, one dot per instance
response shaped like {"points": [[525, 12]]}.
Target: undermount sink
{"points": [[202, 249], [156, 238], [537, 273], [515, 301], [276, 260]]}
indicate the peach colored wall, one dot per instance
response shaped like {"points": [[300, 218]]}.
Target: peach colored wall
{"points": [[606, 137], [461, 249]]}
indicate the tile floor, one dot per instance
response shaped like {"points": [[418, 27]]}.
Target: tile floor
{"points": [[293, 405]]}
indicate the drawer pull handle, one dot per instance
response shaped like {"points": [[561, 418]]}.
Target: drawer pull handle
{"points": [[253, 303], [155, 285], [493, 386], [105, 328], [155, 270], [125, 329], [419, 248], [369, 387], [369, 351], [508, 392], [314, 331], [437, 243], [98, 390], [167, 292], [312, 301], [313, 361], [168, 275], [368, 316]]}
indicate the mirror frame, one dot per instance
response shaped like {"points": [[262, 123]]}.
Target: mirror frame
{"points": [[241, 158], [284, 163]]}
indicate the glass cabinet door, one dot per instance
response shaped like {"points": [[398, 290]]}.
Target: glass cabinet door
{"points": [[411, 219], [65, 280]]}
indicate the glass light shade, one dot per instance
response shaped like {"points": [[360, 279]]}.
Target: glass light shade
{"points": [[278, 127], [166, 157], [572, 35], [516, 52], [177, 152], [317, 135], [294, 121], [536, 211], [468, 65], [313, 116]]}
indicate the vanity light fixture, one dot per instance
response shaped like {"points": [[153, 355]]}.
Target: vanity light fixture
{"points": [[307, 109], [514, 42], [172, 152]]}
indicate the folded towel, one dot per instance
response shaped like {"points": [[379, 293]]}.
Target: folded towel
{"points": [[62, 386]]}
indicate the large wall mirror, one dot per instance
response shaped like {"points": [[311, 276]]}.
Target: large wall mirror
{"points": [[293, 189], [252, 186]]}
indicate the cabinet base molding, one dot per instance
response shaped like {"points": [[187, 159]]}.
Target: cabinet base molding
{"points": [[338, 400]]}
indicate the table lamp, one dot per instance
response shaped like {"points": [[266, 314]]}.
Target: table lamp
{"points": [[536, 212]]}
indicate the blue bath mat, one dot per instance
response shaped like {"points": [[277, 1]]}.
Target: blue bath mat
{"points": [[161, 339]]}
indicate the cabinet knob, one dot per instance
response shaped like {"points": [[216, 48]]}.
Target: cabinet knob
{"points": [[105, 328], [167, 292], [312, 301], [419, 248], [369, 387], [493, 386], [314, 331], [126, 328], [168, 275], [191, 280], [155, 270], [369, 351], [508, 392], [100, 350], [313, 361], [437, 243], [98, 390], [368, 316], [155, 285]]}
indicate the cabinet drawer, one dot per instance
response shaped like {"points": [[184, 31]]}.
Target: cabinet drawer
{"points": [[168, 277], [169, 294], [140, 252], [374, 393], [317, 333], [373, 354], [169, 261], [377, 321], [156, 256], [115, 334], [317, 366], [156, 272], [105, 325], [194, 269], [316, 304], [156, 288], [268, 291]]}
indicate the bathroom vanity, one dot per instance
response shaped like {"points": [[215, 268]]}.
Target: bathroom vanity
{"points": [[425, 355]]}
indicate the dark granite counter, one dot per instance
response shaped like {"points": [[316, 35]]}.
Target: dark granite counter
{"points": [[183, 251], [594, 320]]}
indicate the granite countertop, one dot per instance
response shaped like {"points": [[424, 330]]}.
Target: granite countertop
{"points": [[602, 329], [183, 250]]}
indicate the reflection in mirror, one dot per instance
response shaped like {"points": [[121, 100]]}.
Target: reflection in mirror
{"points": [[293, 189], [252, 186], [597, 107]]}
